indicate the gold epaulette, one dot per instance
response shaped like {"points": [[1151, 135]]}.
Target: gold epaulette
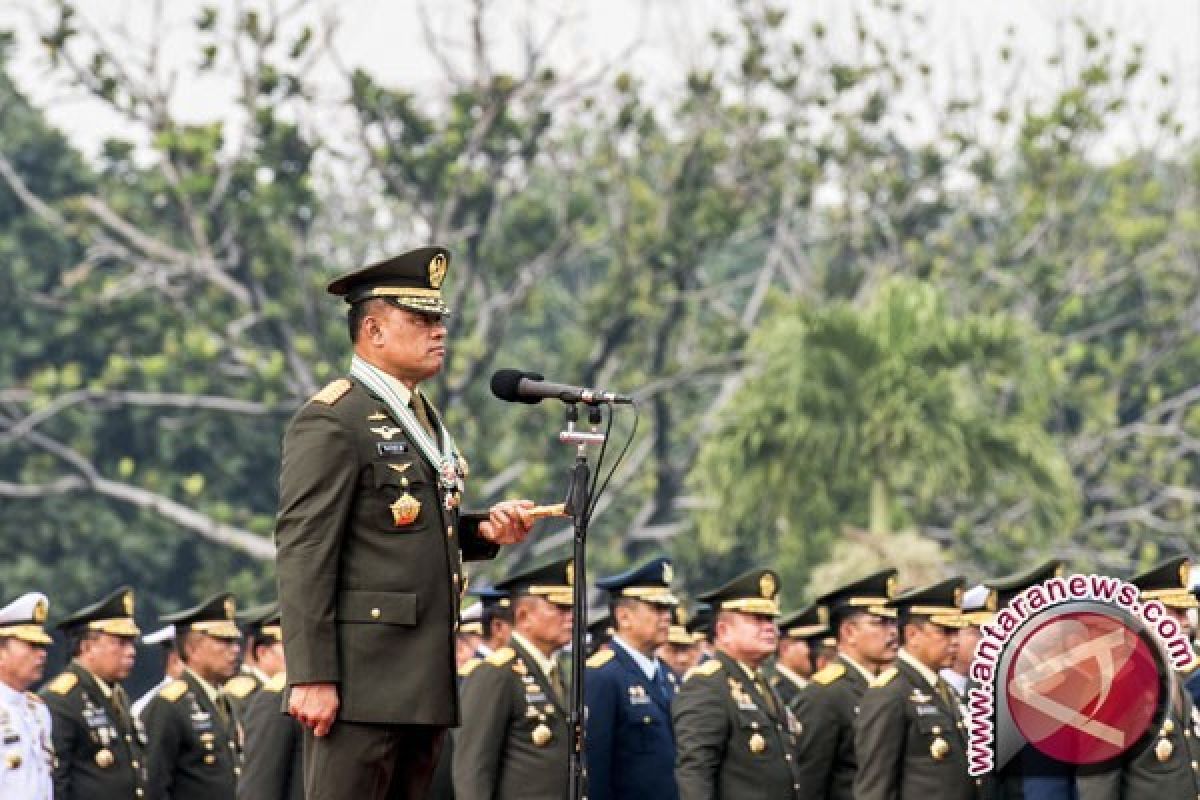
{"points": [[333, 392], [884, 678], [707, 669], [63, 684], [173, 691], [829, 674], [600, 658], [469, 666], [502, 656], [240, 686], [276, 683]]}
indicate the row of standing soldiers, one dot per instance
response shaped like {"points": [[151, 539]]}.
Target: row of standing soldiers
{"points": [[861, 695]]}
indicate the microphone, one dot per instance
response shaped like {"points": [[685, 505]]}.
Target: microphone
{"points": [[516, 386]]}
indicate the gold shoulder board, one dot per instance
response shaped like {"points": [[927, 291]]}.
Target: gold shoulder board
{"points": [[502, 656], [333, 392], [830, 674], [469, 666], [276, 683], [63, 683], [174, 690], [884, 678], [600, 658], [707, 669], [239, 686]]}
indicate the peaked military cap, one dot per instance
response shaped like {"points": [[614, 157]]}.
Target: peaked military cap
{"points": [[1169, 582], [979, 605], [753, 592], [490, 596], [809, 622], [471, 619], [25, 617], [700, 623], [411, 280], [678, 633], [870, 594], [1010, 586], [650, 582], [113, 615], [940, 602], [553, 581], [215, 616], [262, 622]]}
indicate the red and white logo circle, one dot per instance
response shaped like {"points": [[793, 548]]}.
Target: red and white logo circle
{"points": [[1083, 687]]}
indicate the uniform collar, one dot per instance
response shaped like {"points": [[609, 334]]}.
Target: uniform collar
{"points": [[208, 688], [956, 681], [255, 673], [924, 671], [790, 675], [545, 663], [399, 388], [867, 674], [649, 667], [105, 689]]}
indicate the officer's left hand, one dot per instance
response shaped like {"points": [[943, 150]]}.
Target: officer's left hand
{"points": [[508, 522]]}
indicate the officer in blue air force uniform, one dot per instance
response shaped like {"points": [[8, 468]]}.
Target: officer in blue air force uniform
{"points": [[26, 749], [628, 692]]}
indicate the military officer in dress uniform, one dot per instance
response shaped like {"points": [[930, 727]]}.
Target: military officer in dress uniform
{"points": [[793, 665], [734, 736], [909, 733], [515, 743], [866, 641], [26, 748], [195, 748], [274, 762], [262, 653], [99, 744], [164, 640], [701, 627], [680, 652], [630, 746], [1165, 763], [371, 543]]}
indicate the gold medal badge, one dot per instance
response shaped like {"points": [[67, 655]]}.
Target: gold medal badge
{"points": [[542, 735], [405, 510], [104, 758], [437, 271], [757, 743], [939, 749]]}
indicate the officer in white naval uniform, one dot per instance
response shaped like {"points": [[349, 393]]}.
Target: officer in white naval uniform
{"points": [[26, 749]]}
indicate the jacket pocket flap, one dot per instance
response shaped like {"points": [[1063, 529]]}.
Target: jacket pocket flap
{"points": [[388, 608], [404, 473]]}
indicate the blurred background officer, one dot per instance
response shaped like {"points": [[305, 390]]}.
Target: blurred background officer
{"points": [[497, 619], [734, 735], [262, 653], [1165, 762], [194, 748], [794, 661], [164, 641], [469, 634], [100, 748], [910, 739], [681, 652], [274, 765], [866, 644], [628, 692], [515, 742], [701, 628], [26, 750]]}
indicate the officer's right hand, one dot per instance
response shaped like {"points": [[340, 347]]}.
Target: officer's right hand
{"points": [[315, 705]]}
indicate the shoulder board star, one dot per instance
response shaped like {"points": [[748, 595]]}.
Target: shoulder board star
{"points": [[707, 669], [469, 666], [502, 656], [173, 691], [276, 683], [884, 678], [63, 684], [829, 674], [333, 392], [239, 686], [600, 658]]}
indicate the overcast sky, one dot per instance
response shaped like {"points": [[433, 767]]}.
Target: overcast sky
{"points": [[658, 39]]}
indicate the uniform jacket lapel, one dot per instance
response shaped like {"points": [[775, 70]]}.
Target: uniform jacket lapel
{"points": [[542, 678]]}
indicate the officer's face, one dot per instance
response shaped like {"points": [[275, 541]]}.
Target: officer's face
{"points": [[873, 638], [212, 658], [934, 646], [794, 654], [646, 625], [109, 657], [546, 623], [747, 637], [21, 663], [407, 345]]}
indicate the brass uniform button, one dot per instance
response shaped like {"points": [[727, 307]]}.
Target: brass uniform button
{"points": [[104, 758], [757, 743], [541, 736], [210, 759], [376, 613]]}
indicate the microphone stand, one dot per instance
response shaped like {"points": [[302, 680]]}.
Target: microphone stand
{"points": [[578, 502]]}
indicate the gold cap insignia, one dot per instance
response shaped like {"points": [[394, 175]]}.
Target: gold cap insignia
{"points": [[127, 603], [767, 585], [40, 609], [230, 608], [668, 573], [993, 600], [680, 616], [437, 271], [570, 573], [958, 596], [891, 586], [1185, 573], [405, 510], [822, 615]]}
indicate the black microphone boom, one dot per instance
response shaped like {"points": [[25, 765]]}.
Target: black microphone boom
{"points": [[516, 386]]}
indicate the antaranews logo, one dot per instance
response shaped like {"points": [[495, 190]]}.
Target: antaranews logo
{"points": [[1074, 666]]}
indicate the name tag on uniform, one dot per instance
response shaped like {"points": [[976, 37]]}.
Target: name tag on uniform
{"points": [[926, 711], [391, 448]]}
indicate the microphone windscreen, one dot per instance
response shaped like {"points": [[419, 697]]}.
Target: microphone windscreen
{"points": [[506, 385]]}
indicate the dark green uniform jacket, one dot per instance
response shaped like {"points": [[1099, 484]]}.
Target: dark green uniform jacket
{"points": [[787, 688], [274, 767], [1164, 765], [100, 748], [910, 742], [514, 744], [194, 751], [827, 710], [369, 585], [729, 744]]}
